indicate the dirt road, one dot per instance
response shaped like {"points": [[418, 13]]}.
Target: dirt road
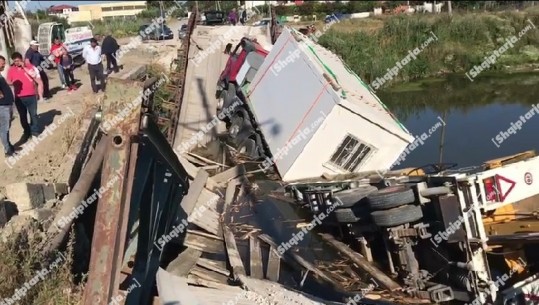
{"points": [[60, 118]]}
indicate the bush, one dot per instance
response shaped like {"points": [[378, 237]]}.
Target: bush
{"points": [[463, 41]]}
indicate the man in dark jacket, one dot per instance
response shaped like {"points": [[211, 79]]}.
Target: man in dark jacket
{"points": [[6, 104], [35, 58], [109, 46]]}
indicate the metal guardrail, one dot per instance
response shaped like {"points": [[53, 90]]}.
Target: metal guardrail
{"points": [[175, 87], [143, 203]]}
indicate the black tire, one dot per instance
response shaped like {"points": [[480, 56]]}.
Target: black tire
{"points": [[236, 125], [248, 147], [351, 197], [351, 215], [397, 216], [391, 197]]}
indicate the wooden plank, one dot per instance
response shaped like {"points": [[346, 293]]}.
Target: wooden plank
{"points": [[192, 171], [201, 233], [234, 257], [274, 265], [174, 290], [362, 262], [196, 280], [255, 269], [213, 266], [182, 264], [204, 243], [305, 264], [209, 275], [205, 213], [195, 188], [229, 174], [209, 222]]}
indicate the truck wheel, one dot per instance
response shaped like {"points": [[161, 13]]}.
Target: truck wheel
{"points": [[221, 101], [391, 197], [350, 197], [351, 215], [397, 216], [248, 147], [236, 125]]}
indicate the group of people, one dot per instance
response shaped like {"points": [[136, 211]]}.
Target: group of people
{"points": [[27, 82], [233, 17]]}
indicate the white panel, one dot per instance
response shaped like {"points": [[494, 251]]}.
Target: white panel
{"points": [[340, 122]]}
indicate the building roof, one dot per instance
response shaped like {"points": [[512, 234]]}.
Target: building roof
{"points": [[61, 7]]}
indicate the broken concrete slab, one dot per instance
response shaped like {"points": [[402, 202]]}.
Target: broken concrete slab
{"points": [[61, 189], [48, 192], [26, 196]]}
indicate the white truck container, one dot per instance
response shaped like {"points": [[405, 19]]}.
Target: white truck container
{"points": [[317, 116]]}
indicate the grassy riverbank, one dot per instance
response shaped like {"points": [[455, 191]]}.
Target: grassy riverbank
{"points": [[371, 46]]}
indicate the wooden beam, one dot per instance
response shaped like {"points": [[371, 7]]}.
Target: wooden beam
{"points": [[255, 269], [182, 264], [362, 262], [305, 264], [204, 243], [234, 257], [274, 265], [213, 265]]}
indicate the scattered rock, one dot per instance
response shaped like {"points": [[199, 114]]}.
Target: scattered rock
{"points": [[50, 204], [15, 226], [40, 215], [7, 211], [26, 196]]}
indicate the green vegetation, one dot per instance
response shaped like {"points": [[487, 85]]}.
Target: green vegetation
{"points": [[21, 261], [371, 46]]}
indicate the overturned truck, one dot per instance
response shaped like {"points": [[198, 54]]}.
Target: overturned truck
{"points": [[446, 234]]}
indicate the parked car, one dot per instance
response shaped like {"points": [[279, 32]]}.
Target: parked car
{"points": [[160, 32], [182, 32], [214, 17], [335, 17], [262, 22]]}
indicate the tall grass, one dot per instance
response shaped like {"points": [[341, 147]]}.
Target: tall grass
{"points": [[19, 263], [463, 41]]}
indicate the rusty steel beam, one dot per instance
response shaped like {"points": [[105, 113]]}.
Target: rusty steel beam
{"points": [[110, 228], [144, 182]]}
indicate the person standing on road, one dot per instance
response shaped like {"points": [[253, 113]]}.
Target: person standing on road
{"points": [[35, 58], [233, 17], [92, 55], [6, 104], [67, 65], [23, 77], [109, 46], [243, 18], [57, 51]]}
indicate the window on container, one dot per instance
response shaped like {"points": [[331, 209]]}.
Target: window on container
{"points": [[350, 154], [106, 9]]}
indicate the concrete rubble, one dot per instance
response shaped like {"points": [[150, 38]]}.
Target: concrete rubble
{"points": [[26, 204]]}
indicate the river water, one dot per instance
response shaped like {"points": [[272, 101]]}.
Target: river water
{"points": [[475, 114]]}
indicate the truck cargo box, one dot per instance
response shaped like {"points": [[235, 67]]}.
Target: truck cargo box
{"points": [[317, 116]]}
